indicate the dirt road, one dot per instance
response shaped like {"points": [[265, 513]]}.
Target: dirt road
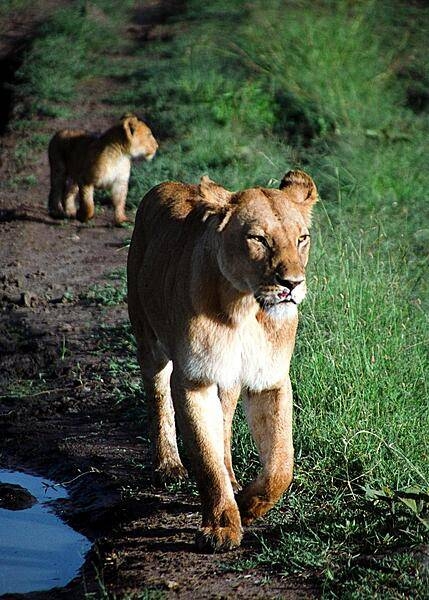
{"points": [[59, 414]]}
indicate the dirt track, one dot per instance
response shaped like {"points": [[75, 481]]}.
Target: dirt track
{"points": [[57, 405]]}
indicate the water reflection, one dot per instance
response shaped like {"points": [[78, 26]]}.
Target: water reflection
{"points": [[37, 550]]}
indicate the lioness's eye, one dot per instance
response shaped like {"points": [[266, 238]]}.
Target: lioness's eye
{"points": [[260, 239], [303, 238]]}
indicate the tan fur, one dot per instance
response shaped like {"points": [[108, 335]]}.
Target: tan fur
{"points": [[81, 161], [214, 279]]}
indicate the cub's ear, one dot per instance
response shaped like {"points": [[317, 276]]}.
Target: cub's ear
{"points": [[301, 190], [216, 200], [128, 115], [129, 123]]}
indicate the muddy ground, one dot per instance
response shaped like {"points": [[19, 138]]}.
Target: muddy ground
{"points": [[58, 414]]}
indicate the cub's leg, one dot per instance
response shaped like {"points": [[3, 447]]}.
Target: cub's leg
{"points": [[229, 399], [200, 419], [86, 204], [57, 191], [270, 418], [70, 200], [119, 197]]}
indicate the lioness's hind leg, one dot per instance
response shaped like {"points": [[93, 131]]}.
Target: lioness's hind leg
{"points": [[167, 463], [156, 372], [86, 204], [229, 399], [70, 200]]}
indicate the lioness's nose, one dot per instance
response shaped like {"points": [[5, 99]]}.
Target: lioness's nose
{"points": [[289, 283]]}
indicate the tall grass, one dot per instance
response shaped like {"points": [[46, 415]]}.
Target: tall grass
{"points": [[360, 367]]}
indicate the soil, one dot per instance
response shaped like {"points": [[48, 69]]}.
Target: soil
{"points": [[58, 415]]}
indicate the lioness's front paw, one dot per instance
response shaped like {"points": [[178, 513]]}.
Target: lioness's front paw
{"points": [[218, 539], [169, 472], [236, 487], [252, 507]]}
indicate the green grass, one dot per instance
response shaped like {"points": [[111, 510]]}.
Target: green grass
{"points": [[244, 92], [111, 293], [68, 49], [17, 6]]}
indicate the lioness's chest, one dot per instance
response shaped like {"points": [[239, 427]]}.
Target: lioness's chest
{"points": [[248, 355]]}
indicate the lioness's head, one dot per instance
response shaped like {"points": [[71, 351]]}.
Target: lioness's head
{"points": [[264, 239], [139, 137]]}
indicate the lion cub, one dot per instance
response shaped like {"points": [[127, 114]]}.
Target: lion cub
{"points": [[81, 161]]}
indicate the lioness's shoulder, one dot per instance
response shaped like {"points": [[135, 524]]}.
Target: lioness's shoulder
{"points": [[173, 199]]}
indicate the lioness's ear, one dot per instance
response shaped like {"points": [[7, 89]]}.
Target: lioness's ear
{"points": [[301, 190], [215, 200]]}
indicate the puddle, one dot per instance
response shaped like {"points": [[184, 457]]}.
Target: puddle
{"points": [[38, 551]]}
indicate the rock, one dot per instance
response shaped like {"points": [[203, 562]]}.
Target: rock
{"points": [[15, 497], [172, 585], [29, 299]]}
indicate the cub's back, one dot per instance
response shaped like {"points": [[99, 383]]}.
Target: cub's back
{"points": [[71, 147]]}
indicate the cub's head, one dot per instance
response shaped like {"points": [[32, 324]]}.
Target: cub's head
{"points": [[263, 238], [139, 137]]}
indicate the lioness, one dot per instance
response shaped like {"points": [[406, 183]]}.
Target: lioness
{"points": [[81, 161], [214, 282]]}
